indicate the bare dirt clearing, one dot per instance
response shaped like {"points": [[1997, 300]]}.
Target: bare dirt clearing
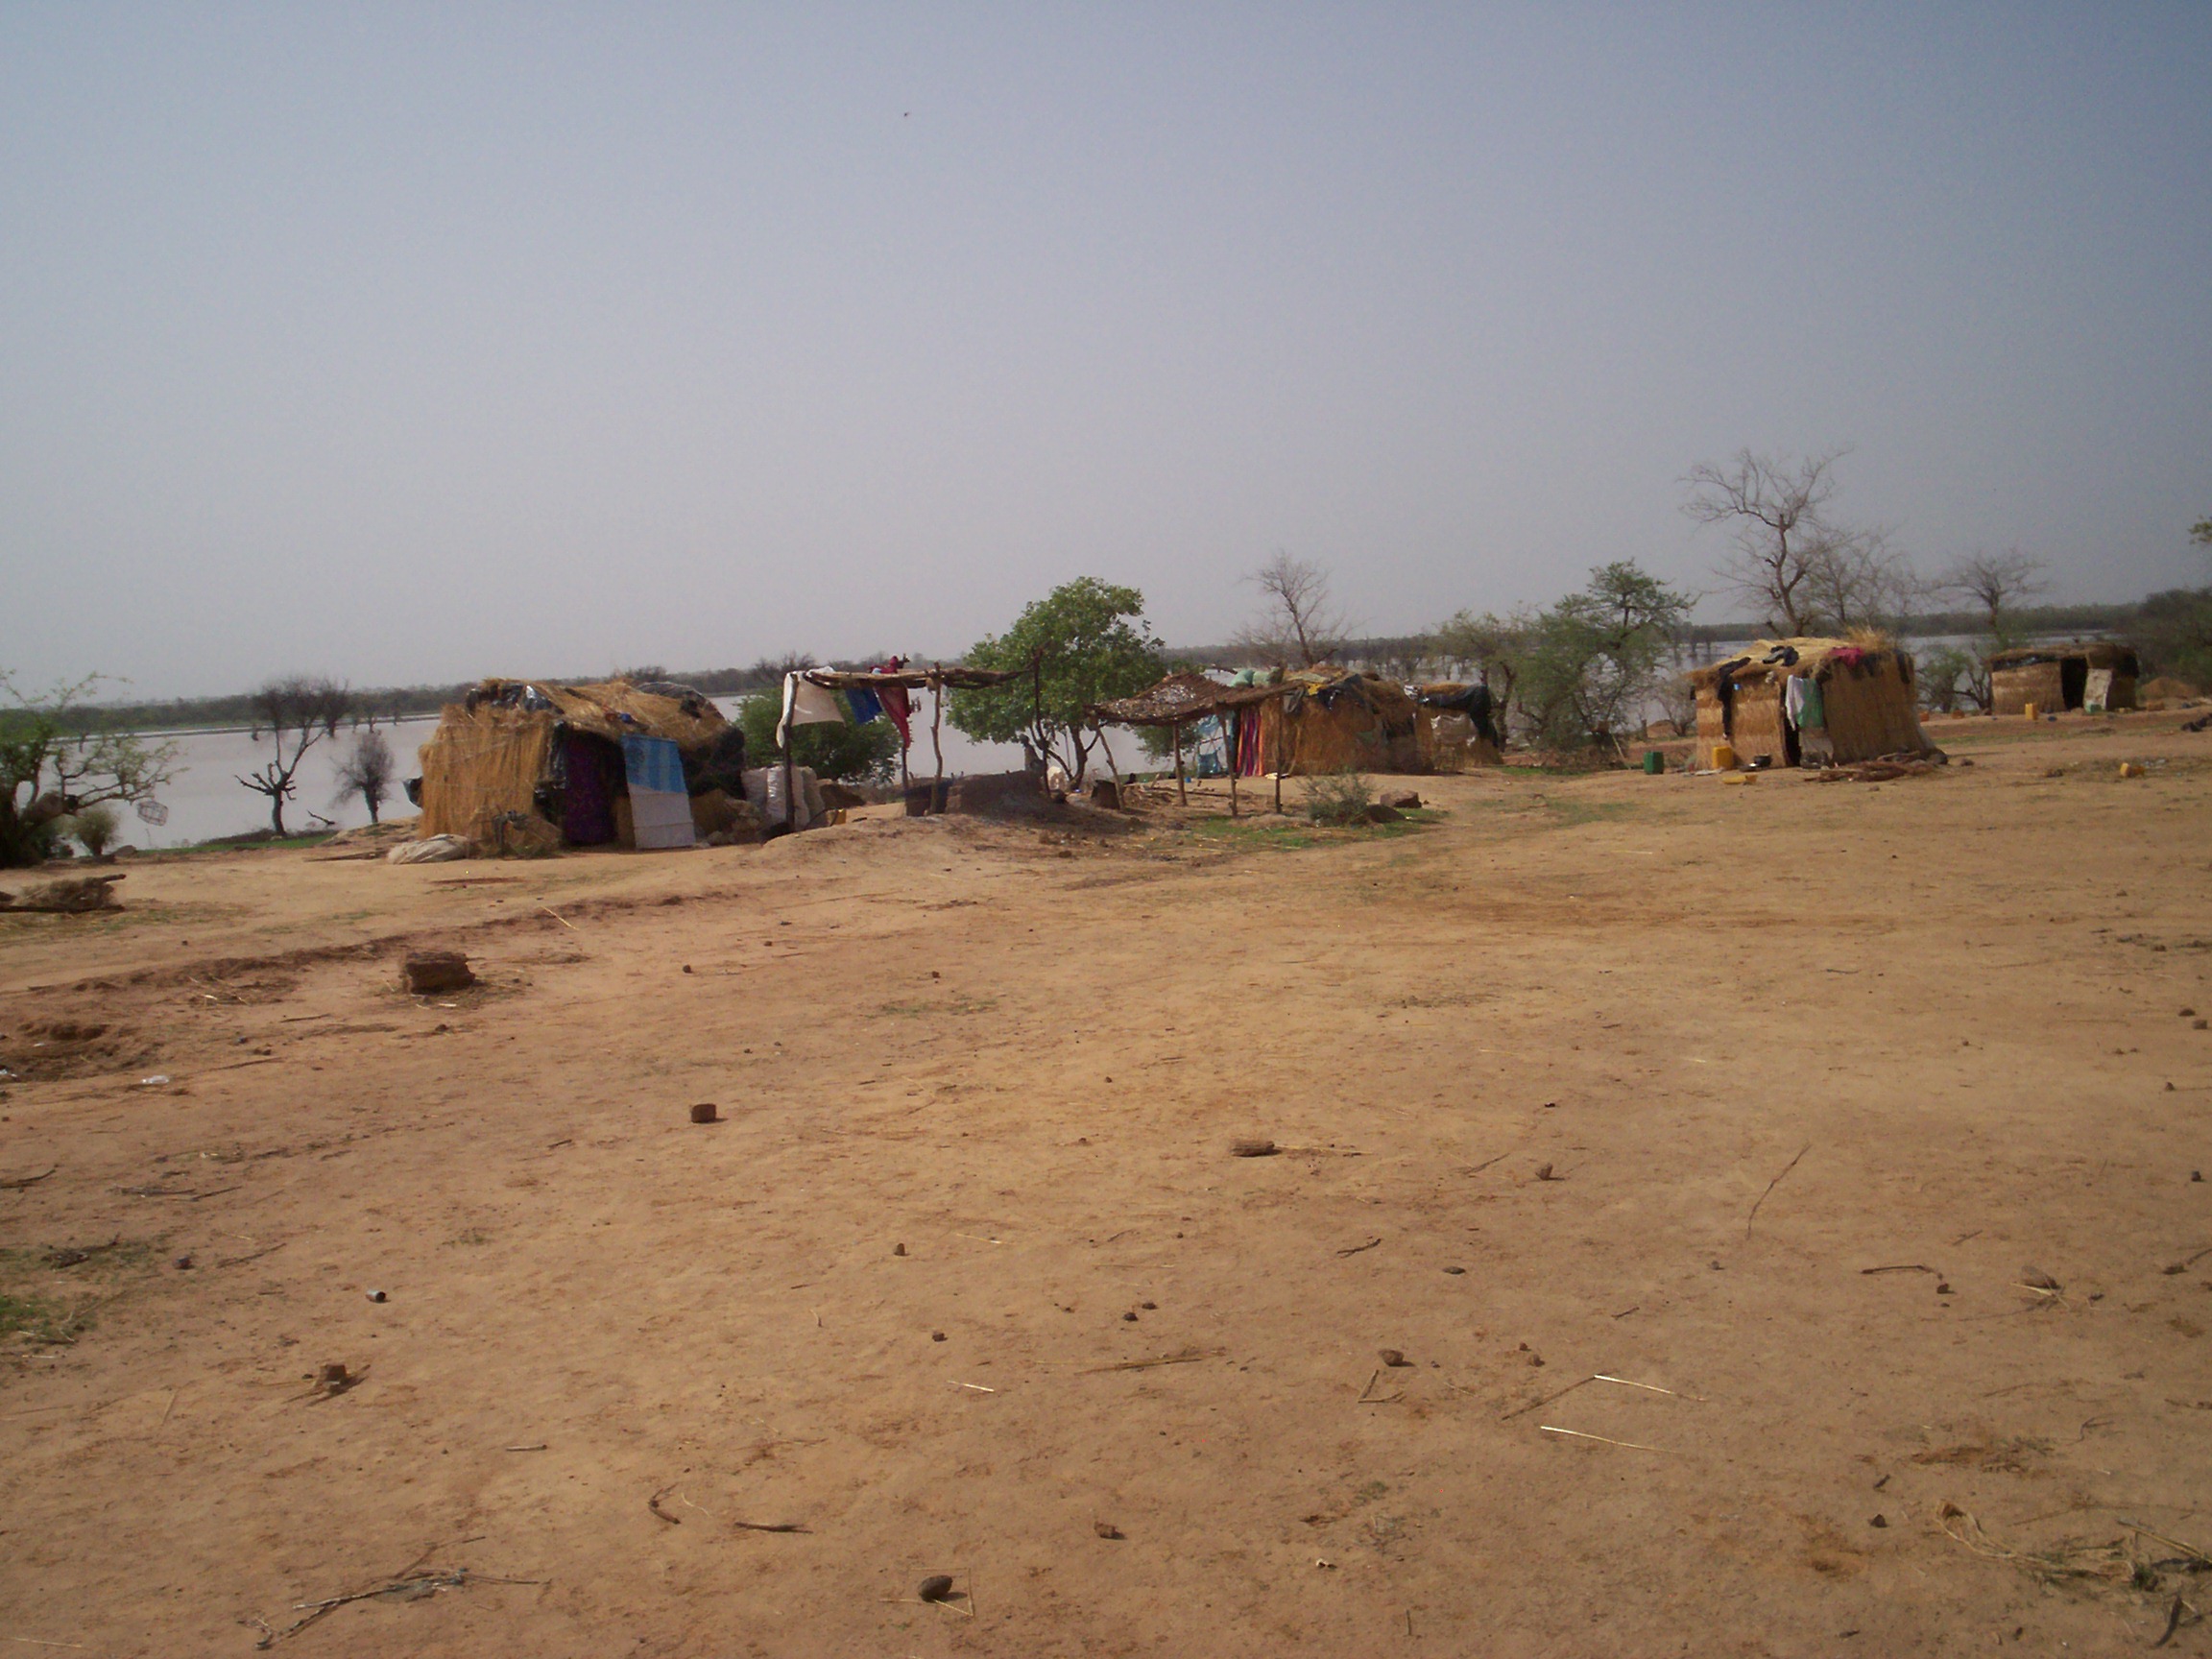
{"points": [[1858, 1121]]}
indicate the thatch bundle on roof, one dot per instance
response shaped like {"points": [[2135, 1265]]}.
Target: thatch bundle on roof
{"points": [[1863, 690], [533, 764], [2054, 678]]}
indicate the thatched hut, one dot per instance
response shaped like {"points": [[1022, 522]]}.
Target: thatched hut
{"points": [[530, 764], [1329, 720], [1808, 702], [2051, 679]]}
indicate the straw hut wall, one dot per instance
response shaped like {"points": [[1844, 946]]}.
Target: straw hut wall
{"points": [[1338, 722], [1869, 703], [513, 763], [2055, 678]]}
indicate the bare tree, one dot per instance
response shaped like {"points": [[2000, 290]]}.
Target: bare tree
{"points": [[1782, 538], [1299, 619], [297, 712], [366, 772], [1997, 584], [1856, 579]]}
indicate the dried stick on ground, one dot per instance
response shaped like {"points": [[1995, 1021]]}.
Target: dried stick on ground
{"points": [[1185, 1358], [1771, 1185]]}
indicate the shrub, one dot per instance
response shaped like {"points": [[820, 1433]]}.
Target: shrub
{"points": [[95, 829], [1338, 798]]}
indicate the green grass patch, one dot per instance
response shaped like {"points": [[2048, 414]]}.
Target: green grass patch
{"points": [[39, 1320], [48, 1296]]}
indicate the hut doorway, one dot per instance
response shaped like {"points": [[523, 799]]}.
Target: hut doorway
{"points": [[2073, 680], [593, 778]]}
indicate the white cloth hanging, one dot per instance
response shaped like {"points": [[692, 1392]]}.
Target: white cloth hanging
{"points": [[805, 704]]}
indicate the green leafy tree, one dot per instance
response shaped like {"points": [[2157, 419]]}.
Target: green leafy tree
{"points": [[1587, 664], [1495, 647], [2172, 630], [45, 777], [841, 751], [1087, 641]]}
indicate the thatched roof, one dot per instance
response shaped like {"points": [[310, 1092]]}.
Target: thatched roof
{"points": [[611, 709], [2097, 653], [1782, 659], [1179, 699]]}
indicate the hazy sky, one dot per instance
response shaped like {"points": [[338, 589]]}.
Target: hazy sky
{"points": [[420, 342]]}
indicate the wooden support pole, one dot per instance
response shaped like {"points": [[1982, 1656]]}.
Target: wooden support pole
{"points": [[1279, 714], [936, 741], [790, 696], [1182, 795], [1231, 723]]}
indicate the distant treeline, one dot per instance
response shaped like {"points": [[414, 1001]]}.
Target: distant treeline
{"points": [[386, 703], [381, 704], [2036, 620]]}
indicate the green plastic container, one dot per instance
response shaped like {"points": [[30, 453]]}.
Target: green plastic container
{"points": [[1654, 762]]}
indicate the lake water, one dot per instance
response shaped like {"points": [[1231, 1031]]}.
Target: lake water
{"points": [[206, 799]]}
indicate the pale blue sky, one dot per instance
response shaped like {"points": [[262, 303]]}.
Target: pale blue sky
{"points": [[409, 341]]}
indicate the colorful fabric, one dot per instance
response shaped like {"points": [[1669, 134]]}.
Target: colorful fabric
{"points": [[896, 707], [659, 805], [1804, 704], [865, 705]]}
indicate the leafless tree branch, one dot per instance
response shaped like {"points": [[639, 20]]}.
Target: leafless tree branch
{"points": [[1299, 619]]}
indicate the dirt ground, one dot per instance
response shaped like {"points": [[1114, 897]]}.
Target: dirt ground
{"points": [[1854, 1128]]}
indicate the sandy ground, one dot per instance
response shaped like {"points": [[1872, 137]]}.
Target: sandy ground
{"points": [[1821, 1076]]}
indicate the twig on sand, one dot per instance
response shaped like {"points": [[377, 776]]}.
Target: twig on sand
{"points": [[2173, 1621], [654, 1503], [1771, 1185], [16, 1184], [1523, 1411], [558, 917], [1368, 1399], [1185, 1358], [255, 1255], [407, 1587], [1899, 1267], [2189, 1549], [1650, 1387], [1601, 1440], [1354, 1249]]}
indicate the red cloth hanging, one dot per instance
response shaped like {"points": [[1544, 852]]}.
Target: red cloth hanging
{"points": [[894, 702]]}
